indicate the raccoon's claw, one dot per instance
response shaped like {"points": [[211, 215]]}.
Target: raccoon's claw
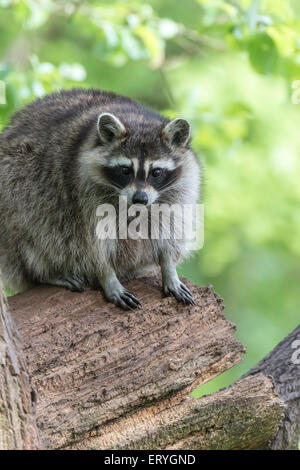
{"points": [[180, 292], [74, 284], [125, 299]]}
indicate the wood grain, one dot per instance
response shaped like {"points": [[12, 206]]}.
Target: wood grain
{"points": [[93, 365]]}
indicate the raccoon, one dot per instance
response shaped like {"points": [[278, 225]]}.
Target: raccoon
{"points": [[66, 154]]}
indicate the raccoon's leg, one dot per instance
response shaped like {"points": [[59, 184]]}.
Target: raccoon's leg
{"points": [[15, 278], [172, 286], [115, 292], [74, 283]]}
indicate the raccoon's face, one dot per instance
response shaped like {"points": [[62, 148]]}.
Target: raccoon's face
{"points": [[142, 170]]}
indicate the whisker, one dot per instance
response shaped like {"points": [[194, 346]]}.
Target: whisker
{"points": [[167, 184]]}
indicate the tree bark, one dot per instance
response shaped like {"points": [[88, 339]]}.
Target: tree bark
{"points": [[283, 366], [17, 422], [113, 380], [94, 365]]}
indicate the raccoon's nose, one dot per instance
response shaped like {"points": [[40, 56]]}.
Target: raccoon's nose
{"points": [[140, 197]]}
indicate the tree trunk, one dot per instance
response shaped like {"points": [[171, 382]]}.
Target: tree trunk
{"points": [[283, 366], [17, 421], [113, 380]]}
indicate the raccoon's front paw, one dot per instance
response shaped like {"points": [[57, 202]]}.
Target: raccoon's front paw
{"points": [[180, 292], [74, 284], [123, 298]]}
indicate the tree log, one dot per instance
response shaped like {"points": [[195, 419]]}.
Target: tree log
{"points": [[94, 365], [113, 380], [282, 364], [17, 422]]}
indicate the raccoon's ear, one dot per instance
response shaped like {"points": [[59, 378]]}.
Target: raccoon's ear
{"points": [[177, 132], [110, 128]]}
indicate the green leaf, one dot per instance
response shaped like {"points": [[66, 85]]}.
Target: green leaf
{"points": [[152, 42], [263, 54], [5, 70]]}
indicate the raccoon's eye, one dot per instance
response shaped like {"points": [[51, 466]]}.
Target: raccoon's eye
{"points": [[125, 170], [156, 172]]}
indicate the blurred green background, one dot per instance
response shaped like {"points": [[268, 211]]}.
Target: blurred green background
{"points": [[232, 69]]}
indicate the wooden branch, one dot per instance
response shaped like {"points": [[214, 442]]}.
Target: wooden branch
{"points": [[17, 422], [94, 365], [113, 380], [244, 416], [284, 369]]}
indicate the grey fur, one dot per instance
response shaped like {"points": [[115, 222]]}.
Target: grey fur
{"points": [[51, 177]]}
